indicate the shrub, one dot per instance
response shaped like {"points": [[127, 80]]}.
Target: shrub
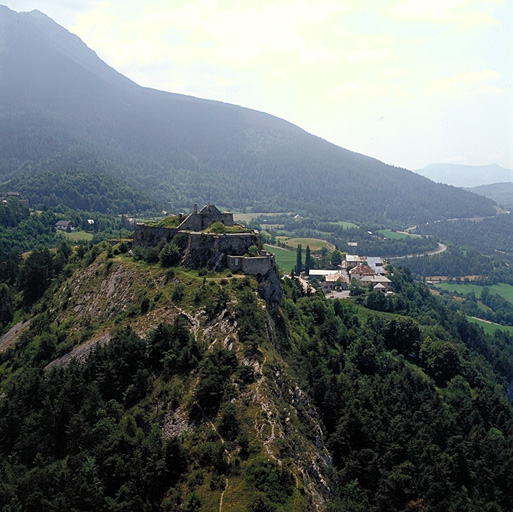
{"points": [[218, 227], [170, 255]]}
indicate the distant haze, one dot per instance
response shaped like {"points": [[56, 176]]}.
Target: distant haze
{"points": [[59, 101], [466, 175], [406, 81]]}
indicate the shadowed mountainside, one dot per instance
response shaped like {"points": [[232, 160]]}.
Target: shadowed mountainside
{"points": [[57, 96]]}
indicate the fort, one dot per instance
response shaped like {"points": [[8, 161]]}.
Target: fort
{"points": [[203, 247]]}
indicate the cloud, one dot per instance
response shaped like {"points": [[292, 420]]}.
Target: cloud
{"points": [[370, 55], [460, 12], [63, 12], [467, 84]]}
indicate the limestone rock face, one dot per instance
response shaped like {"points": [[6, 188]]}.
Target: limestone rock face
{"points": [[270, 289]]}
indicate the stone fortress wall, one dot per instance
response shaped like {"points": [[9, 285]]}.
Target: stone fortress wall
{"points": [[214, 251]]}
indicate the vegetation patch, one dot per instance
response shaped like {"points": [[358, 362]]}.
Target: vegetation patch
{"points": [[395, 235], [503, 289], [315, 244], [285, 258], [169, 222], [78, 236], [490, 327], [345, 224]]}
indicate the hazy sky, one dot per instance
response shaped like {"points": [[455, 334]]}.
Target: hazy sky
{"points": [[407, 81]]}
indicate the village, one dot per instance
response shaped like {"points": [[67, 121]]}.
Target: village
{"points": [[365, 271]]}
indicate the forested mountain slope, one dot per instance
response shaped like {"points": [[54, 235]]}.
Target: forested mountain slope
{"points": [[132, 386], [57, 96], [501, 193]]}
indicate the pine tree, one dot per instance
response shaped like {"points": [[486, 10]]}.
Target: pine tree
{"points": [[308, 261], [299, 265]]}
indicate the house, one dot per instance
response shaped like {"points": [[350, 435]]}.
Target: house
{"points": [[376, 264], [24, 202], [352, 260], [314, 272], [376, 280], [361, 271], [338, 279], [65, 225]]}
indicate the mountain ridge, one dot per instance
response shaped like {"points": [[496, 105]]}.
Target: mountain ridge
{"points": [[183, 149], [466, 176]]}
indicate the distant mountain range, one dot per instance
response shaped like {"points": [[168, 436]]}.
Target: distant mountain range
{"points": [[57, 99], [467, 176], [501, 193]]}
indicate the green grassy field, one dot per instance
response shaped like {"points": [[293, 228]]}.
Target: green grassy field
{"points": [[285, 258], [345, 225], [394, 235], [78, 236], [489, 327], [502, 289], [316, 244]]}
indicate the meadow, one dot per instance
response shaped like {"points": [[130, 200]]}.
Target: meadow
{"points": [[285, 258], [490, 327], [78, 236], [315, 244], [345, 225], [502, 289], [395, 235]]}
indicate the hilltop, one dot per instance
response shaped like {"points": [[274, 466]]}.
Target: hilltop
{"points": [[134, 385], [57, 97]]}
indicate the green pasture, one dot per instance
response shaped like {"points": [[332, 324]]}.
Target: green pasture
{"points": [[394, 235], [502, 289], [316, 244], [490, 327], [285, 258], [77, 236], [344, 224]]}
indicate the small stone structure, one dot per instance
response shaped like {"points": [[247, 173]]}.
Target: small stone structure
{"points": [[198, 221], [252, 265]]}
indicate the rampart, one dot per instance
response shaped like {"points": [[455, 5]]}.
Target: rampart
{"points": [[151, 236], [214, 251], [211, 250], [252, 265]]}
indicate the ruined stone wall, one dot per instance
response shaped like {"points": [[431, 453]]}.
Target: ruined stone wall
{"points": [[251, 265], [203, 220], [210, 250], [150, 236]]}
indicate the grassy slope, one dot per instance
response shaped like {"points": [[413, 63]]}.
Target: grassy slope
{"points": [[502, 289], [107, 295], [285, 258], [490, 327]]}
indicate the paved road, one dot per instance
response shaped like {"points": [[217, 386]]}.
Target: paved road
{"points": [[441, 248]]}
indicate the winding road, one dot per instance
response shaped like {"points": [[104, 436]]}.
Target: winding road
{"points": [[441, 248]]}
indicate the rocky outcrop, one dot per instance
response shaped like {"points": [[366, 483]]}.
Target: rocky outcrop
{"points": [[270, 289]]}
